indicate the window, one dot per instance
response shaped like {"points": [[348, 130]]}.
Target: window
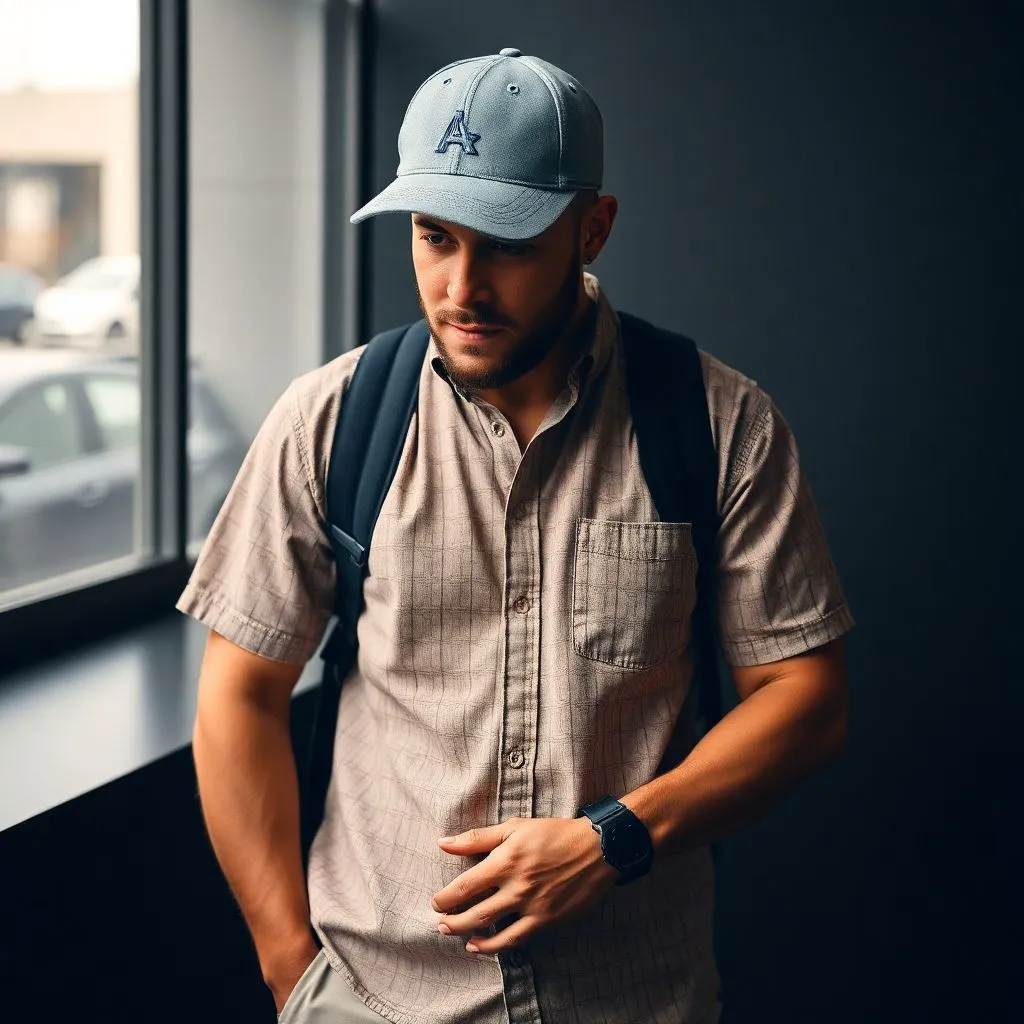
{"points": [[70, 272], [126, 187]]}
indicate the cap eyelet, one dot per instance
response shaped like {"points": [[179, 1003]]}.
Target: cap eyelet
{"points": [[572, 88], [513, 88], [447, 81]]}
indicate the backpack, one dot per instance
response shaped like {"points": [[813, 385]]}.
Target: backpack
{"points": [[668, 406]]}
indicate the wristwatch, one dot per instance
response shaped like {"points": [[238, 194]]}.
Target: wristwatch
{"points": [[625, 842]]}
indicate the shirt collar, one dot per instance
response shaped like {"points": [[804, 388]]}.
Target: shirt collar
{"points": [[603, 340]]}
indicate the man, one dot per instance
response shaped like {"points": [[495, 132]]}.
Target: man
{"points": [[525, 647]]}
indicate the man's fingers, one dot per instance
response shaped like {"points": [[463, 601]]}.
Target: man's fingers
{"points": [[479, 917], [476, 840], [508, 937], [479, 880]]}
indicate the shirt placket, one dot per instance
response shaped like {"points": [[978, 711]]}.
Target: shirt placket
{"points": [[519, 477], [519, 675]]}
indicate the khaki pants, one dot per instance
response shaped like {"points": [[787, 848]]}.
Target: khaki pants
{"points": [[322, 996]]}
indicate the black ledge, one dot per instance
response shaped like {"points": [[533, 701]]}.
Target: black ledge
{"points": [[78, 721]]}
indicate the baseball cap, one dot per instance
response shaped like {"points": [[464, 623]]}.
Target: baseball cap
{"points": [[499, 144]]}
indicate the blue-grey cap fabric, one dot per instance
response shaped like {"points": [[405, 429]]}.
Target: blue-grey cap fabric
{"points": [[499, 144]]}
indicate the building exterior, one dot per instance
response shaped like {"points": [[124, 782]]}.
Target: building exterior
{"points": [[69, 177]]}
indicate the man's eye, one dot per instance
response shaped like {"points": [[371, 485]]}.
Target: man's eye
{"points": [[434, 238]]}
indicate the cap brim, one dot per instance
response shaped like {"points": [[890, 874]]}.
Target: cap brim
{"points": [[494, 208]]}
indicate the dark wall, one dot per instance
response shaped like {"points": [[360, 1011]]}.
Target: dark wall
{"points": [[827, 196]]}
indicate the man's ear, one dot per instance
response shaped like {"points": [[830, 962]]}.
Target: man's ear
{"points": [[597, 225]]}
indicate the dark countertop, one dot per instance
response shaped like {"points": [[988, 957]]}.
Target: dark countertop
{"points": [[81, 720]]}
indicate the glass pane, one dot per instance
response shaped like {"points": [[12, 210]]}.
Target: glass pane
{"points": [[116, 405], [69, 286], [42, 422], [255, 225]]}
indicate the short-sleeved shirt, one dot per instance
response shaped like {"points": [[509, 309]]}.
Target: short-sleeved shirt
{"points": [[525, 649]]}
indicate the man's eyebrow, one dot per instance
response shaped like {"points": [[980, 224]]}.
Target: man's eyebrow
{"points": [[422, 222]]}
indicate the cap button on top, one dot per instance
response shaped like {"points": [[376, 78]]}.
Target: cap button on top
{"points": [[510, 51]]}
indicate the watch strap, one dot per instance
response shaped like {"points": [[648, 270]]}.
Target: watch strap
{"points": [[601, 809], [607, 810]]}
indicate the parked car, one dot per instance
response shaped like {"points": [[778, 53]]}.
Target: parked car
{"points": [[18, 291], [70, 463], [95, 306]]}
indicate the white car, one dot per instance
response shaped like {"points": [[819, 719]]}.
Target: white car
{"points": [[95, 306]]}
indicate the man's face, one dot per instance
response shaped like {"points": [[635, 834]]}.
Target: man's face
{"points": [[495, 308]]}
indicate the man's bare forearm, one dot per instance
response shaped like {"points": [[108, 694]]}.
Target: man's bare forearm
{"points": [[248, 787], [775, 738]]}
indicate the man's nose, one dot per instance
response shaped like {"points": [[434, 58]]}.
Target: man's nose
{"points": [[468, 282]]}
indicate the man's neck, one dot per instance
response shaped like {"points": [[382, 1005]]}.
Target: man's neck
{"points": [[526, 401]]}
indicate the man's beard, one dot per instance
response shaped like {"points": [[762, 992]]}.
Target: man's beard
{"points": [[529, 350]]}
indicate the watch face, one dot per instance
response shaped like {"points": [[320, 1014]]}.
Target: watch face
{"points": [[627, 842]]}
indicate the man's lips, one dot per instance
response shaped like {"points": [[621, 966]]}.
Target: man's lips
{"points": [[476, 332]]}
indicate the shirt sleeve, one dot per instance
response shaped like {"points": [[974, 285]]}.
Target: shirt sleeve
{"points": [[265, 576], [779, 593]]}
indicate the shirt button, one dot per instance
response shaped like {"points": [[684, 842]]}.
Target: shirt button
{"points": [[521, 605], [516, 758], [498, 429], [515, 958]]}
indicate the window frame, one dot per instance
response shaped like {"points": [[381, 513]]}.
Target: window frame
{"points": [[91, 604]]}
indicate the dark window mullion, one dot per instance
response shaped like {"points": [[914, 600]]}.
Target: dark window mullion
{"points": [[164, 164], [348, 39]]}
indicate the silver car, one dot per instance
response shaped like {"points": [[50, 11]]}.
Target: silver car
{"points": [[95, 306], [69, 460]]}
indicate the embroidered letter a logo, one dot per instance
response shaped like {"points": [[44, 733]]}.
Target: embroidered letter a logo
{"points": [[458, 133]]}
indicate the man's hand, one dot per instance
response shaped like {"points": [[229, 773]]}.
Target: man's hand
{"points": [[543, 870]]}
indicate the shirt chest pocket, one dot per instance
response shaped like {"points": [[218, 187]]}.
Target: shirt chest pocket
{"points": [[634, 591]]}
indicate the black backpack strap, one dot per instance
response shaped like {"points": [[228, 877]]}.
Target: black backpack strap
{"points": [[669, 409], [368, 440]]}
